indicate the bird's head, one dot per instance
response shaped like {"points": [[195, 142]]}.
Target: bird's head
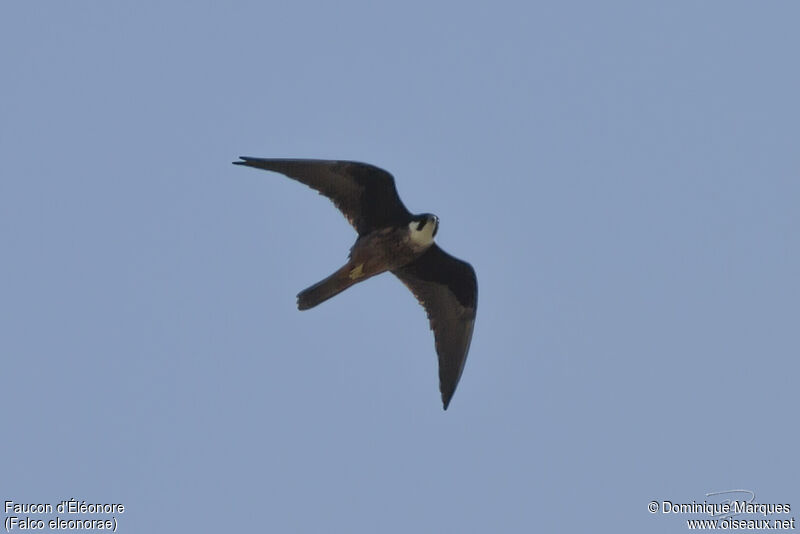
{"points": [[423, 229]]}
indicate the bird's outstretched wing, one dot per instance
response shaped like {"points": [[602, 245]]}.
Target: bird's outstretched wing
{"points": [[365, 194], [448, 289]]}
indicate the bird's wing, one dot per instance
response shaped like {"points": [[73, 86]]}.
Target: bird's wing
{"points": [[365, 194], [448, 289]]}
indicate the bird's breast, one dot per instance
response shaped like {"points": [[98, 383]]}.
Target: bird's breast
{"points": [[388, 248]]}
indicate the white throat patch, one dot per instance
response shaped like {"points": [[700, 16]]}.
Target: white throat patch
{"points": [[421, 239]]}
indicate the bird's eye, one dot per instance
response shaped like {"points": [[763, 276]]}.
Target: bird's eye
{"points": [[421, 224]]}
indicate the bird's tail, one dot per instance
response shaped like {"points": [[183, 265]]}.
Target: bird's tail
{"points": [[329, 287]]}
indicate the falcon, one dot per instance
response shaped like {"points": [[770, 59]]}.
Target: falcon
{"points": [[390, 238]]}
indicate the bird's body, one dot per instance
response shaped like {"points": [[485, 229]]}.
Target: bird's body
{"points": [[381, 250], [390, 238]]}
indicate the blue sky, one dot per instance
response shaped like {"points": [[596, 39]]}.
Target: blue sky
{"points": [[623, 176]]}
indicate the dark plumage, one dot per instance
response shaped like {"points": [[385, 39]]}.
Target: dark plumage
{"points": [[390, 238]]}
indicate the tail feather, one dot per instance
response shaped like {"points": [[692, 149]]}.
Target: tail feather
{"points": [[325, 289]]}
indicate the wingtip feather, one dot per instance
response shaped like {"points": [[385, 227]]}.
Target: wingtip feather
{"points": [[445, 402]]}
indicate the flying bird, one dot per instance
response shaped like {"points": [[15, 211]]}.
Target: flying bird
{"points": [[390, 238]]}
